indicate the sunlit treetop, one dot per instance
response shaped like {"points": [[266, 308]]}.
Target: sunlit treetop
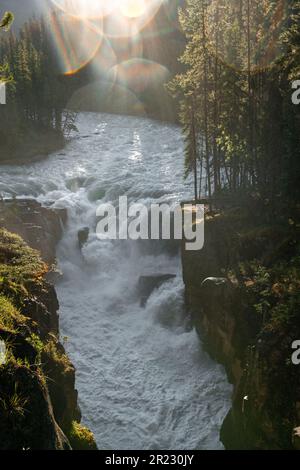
{"points": [[7, 20]]}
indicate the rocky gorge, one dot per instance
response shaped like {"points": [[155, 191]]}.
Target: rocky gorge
{"points": [[143, 378], [237, 309]]}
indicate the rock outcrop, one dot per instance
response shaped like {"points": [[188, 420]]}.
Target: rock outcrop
{"points": [[249, 321], [83, 236], [40, 227], [38, 398]]}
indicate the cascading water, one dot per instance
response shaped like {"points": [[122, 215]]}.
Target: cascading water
{"points": [[144, 381]]}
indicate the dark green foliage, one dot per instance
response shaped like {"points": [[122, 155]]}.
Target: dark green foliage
{"points": [[26, 416], [36, 95], [7, 20], [240, 59], [20, 266], [81, 437]]}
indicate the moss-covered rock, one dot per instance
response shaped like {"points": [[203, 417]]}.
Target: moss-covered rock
{"points": [[60, 374], [81, 438], [38, 399]]}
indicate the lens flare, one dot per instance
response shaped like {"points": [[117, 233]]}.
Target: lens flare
{"points": [[139, 74], [171, 11], [133, 8], [76, 41], [109, 37], [129, 47], [86, 9], [105, 96], [117, 26], [130, 17], [104, 60]]}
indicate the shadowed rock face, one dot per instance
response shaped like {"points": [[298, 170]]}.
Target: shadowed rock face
{"points": [[27, 420], [83, 235], [255, 350], [147, 284], [40, 227]]}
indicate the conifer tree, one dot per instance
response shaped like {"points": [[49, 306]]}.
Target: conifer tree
{"points": [[239, 61]]}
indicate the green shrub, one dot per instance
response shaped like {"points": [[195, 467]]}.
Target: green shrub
{"points": [[37, 344], [55, 355], [10, 317], [20, 266], [13, 406], [81, 438]]}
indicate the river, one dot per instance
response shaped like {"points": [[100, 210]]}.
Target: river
{"points": [[143, 378]]}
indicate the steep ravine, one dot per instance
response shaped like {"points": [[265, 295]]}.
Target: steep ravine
{"points": [[143, 379], [38, 399], [243, 292]]}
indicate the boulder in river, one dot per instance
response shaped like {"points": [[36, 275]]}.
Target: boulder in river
{"points": [[83, 235], [147, 284]]}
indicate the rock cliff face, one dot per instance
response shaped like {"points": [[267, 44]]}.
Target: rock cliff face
{"points": [[38, 399], [247, 314], [40, 227]]}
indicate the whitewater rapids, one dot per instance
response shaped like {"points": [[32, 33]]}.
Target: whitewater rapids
{"points": [[143, 378]]}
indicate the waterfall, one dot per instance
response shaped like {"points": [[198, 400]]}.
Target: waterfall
{"points": [[144, 380]]}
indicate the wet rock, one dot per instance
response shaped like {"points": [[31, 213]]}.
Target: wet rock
{"points": [[39, 226], [147, 284], [83, 235]]}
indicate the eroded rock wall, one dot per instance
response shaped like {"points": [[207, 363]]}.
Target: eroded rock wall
{"points": [[247, 315]]}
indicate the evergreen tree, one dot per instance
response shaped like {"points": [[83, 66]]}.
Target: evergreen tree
{"points": [[239, 61]]}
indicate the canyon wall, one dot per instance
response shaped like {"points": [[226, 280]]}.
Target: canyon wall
{"points": [[243, 293], [38, 399]]}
